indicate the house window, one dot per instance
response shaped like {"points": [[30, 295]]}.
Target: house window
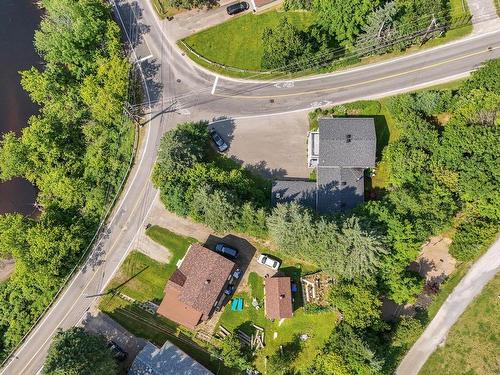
{"points": [[344, 183], [348, 138]]}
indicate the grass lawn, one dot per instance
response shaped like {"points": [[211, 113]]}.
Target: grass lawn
{"points": [[143, 278], [244, 48], [473, 343], [318, 326]]}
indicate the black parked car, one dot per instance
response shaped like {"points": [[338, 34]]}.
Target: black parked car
{"points": [[118, 353], [237, 8], [226, 250], [219, 142]]}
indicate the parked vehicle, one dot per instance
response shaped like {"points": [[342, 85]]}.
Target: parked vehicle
{"points": [[226, 250], [237, 8], [229, 290], [237, 273], [269, 261], [219, 142], [118, 353]]}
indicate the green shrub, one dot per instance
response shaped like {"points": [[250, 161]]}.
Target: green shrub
{"points": [[471, 238]]}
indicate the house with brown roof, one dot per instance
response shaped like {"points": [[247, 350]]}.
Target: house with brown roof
{"points": [[278, 297], [196, 287]]}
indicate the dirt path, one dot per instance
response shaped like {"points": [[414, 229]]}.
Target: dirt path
{"points": [[435, 334], [6, 268]]}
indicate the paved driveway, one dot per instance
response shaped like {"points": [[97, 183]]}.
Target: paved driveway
{"points": [[192, 21], [484, 17], [273, 146]]}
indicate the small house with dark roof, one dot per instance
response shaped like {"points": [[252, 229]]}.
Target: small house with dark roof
{"points": [[167, 360], [278, 297], [196, 287], [340, 150]]}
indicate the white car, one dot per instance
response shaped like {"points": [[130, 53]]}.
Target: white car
{"points": [[268, 261]]}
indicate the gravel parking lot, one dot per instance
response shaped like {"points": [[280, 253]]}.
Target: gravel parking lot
{"points": [[274, 146]]}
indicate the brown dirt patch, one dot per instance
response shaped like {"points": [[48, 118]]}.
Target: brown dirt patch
{"points": [[7, 266]]}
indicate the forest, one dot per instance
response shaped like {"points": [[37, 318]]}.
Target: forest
{"points": [[76, 151]]}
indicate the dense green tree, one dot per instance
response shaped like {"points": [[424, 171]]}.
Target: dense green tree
{"points": [[75, 352], [379, 31], [358, 252], [343, 20], [233, 354], [358, 301], [180, 149], [329, 363], [471, 237], [408, 330], [106, 91], [292, 229], [281, 362], [12, 157], [216, 208], [189, 4], [13, 228], [346, 353], [253, 220], [76, 44], [284, 47], [487, 78]]}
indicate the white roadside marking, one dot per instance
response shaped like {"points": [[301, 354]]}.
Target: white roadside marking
{"points": [[143, 58], [284, 85], [215, 84]]}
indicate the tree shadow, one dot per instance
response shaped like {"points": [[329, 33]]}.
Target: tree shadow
{"points": [[260, 168], [154, 86], [130, 13], [246, 327], [422, 266], [225, 127]]}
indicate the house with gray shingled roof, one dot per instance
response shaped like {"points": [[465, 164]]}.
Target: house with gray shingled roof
{"points": [[167, 360], [340, 150]]}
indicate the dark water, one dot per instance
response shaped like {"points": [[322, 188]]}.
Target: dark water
{"points": [[18, 21]]}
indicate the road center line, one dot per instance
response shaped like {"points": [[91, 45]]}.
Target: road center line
{"points": [[333, 89], [215, 84]]}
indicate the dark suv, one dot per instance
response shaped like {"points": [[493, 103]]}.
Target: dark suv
{"points": [[226, 250], [237, 8]]}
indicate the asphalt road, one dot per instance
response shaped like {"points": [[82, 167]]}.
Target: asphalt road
{"points": [[435, 334], [179, 92]]}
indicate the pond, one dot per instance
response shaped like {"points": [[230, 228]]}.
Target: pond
{"points": [[18, 21]]}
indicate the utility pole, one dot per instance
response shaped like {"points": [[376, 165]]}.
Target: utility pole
{"points": [[432, 26]]}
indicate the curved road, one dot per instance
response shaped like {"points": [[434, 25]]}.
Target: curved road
{"points": [[181, 91]]}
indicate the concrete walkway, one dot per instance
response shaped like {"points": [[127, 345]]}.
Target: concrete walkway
{"points": [[463, 294]]}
